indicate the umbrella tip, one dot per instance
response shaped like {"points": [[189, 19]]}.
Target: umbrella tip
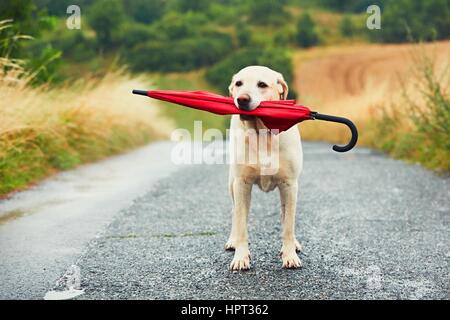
{"points": [[141, 92]]}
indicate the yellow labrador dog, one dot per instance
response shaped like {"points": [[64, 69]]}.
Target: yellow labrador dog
{"points": [[248, 88]]}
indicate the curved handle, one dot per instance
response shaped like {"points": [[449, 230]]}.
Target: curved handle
{"points": [[347, 122]]}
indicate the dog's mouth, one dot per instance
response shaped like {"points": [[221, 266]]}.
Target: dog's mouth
{"points": [[247, 117]]}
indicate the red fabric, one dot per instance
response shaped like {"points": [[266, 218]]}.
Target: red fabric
{"points": [[279, 115]]}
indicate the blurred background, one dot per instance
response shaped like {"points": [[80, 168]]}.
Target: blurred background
{"points": [[65, 93]]}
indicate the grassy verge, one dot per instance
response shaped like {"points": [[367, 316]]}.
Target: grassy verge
{"points": [[419, 131], [44, 130]]}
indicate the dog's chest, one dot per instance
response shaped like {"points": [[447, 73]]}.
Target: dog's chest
{"points": [[267, 183]]}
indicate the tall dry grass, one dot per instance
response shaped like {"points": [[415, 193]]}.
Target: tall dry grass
{"points": [[419, 130], [44, 129]]}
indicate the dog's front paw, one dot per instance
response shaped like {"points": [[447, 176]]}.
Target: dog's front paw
{"points": [[298, 246], [241, 261], [290, 258]]}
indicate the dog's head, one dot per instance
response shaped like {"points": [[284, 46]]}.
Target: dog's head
{"points": [[254, 84]]}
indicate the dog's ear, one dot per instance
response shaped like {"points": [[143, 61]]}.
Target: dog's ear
{"points": [[282, 86], [231, 86]]}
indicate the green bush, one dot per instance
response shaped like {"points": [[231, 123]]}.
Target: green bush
{"points": [[266, 11], [243, 34], [73, 44], [44, 65], [106, 17], [283, 38], [37, 58], [222, 15], [220, 74], [21, 19], [347, 27], [144, 11], [188, 5], [306, 31], [176, 25], [25, 15], [133, 34]]}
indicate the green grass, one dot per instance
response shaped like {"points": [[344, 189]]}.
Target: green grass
{"points": [[21, 166], [29, 160]]}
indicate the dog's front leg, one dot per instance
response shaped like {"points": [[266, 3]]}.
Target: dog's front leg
{"points": [[288, 195], [241, 195]]}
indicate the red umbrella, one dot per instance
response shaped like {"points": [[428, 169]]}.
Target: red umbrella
{"points": [[279, 114]]}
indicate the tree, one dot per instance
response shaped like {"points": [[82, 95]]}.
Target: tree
{"points": [[266, 11], [105, 17], [176, 25], [23, 13], [243, 34], [145, 11], [282, 37], [306, 31], [188, 5], [347, 27]]}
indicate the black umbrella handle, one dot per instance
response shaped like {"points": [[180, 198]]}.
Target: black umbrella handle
{"points": [[141, 92], [347, 122]]}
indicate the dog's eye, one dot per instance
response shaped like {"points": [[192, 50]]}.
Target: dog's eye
{"points": [[262, 84], [238, 83]]}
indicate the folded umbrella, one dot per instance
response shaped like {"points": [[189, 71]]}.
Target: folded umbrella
{"points": [[279, 114]]}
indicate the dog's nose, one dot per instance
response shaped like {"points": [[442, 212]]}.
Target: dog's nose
{"points": [[244, 101]]}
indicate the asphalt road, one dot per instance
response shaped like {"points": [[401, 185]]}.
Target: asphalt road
{"points": [[371, 228]]}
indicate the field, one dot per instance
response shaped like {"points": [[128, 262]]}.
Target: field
{"points": [[43, 130], [361, 81]]}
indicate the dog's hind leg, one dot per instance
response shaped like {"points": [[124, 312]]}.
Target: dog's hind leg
{"points": [[230, 245], [242, 195]]}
